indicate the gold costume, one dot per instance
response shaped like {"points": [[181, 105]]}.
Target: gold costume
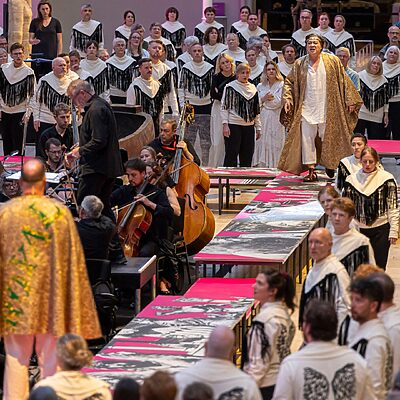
{"points": [[44, 286], [340, 124]]}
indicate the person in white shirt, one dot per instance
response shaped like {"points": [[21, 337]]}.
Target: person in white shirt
{"points": [[217, 370], [212, 47], [252, 29], [322, 369], [299, 36], [155, 34], [234, 50], [209, 15], [272, 330], [242, 23], [124, 31], [173, 30], [256, 69], [371, 340], [289, 57], [185, 56], [323, 24]]}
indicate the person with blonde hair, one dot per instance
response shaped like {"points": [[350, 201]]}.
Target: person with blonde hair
{"points": [[269, 147], [73, 354], [224, 74]]}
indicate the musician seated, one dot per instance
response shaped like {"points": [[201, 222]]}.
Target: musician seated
{"points": [[53, 152], [9, 188], [95, 230], [153, 198], [61, 130], [167, 143]]}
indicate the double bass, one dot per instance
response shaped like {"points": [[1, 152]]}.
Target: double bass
{"points": [[192, 184]]}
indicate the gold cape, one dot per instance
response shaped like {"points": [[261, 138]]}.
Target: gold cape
{"points": [[44, 286], [340, 124]]}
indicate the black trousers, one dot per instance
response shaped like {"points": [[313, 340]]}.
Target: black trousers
{"points": [[13, 131], [267, 392], [394, 119], [97, 185], [374, 130], [239, 143], [379, 238], [43, 126]]}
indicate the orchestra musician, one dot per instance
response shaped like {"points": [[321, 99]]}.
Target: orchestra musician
{"points": [[54, 155]]}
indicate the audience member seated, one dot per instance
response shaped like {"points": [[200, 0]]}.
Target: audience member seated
{"points": [[127, 389], [198, 391], [95, 230], [54, 155], [217, 370], [70, 383], [159, 386]]}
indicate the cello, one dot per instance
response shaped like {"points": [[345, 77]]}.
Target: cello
{"points": [[192, 184]]}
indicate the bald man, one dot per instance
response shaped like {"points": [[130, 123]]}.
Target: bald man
{"points": [[41, 266], [218, 371], [328, 279]]}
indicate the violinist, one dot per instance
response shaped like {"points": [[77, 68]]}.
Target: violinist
{"points": [[54, 155], [153, 198], [167, 143]]}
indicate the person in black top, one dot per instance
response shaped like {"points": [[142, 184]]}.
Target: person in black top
{"points": [[53, 159], [61, 130], [167, 143], [156, 201], [95, 230], [98, 151], [45, 36]]}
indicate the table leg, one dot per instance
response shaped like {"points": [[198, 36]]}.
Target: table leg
{"points": [[220, 196], [227, 193], [137, 301], [153, 287]]}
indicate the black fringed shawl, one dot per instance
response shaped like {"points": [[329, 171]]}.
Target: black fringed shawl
{"points": [[176, 38], [165, 83], [119, 35], [358, 256], [301, 49], [119, 78], [370, 208], [343, 335], [100, 83], [199, 34], [50, 97], [80, 39], [341, 175], [199, 86], [152, 106], [246, 109], [255, 81], [374, 99], [257, 330], [393, 86], [18, 92], [348, 43]]}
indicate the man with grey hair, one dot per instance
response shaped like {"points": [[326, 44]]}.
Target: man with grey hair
{"points": [[299, 36], [252, 29], [394, 40], [232, 40], [185, 56], [217, 370], [95, 230], [343, 53]]}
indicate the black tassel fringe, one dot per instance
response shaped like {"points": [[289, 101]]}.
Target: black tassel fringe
{"points": [[355, 258], [374, 99], [100, 83], [246, 109], [50, 97], [152, 106], [393, 86], [349, 44], [165, 83], [341, 176], [16, 93], [176, 38], [199, 86], [80, 39], [121, 79]]}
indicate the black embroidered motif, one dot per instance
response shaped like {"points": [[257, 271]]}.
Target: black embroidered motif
{"points": [[388, 366], [100, 82], [361, 347], [349, 44], [301, 49], [341, 176], [80, 39], [344, 383], [374, 99], [393, 85], [316, 386], [355, 258], [236, 393], [283, 342], [152, 106], [344, 331], [121, 79], [199, 86], [246, 109], [369, 208], [165, 83], [176, 38], [50, 97], [16, 93]]}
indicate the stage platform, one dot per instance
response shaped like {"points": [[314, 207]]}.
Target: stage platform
{"points": [[386, 148]]}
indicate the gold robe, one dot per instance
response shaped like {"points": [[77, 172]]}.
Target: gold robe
{"points": [[44, 286], [340, 124]]}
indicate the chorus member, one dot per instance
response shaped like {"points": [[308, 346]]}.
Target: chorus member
{"points": [[269, 147], [36, 261], [351, 247], [121, 71], [224, 74], [173, 30], [135, 47], [391, 71], [45, 36], [124, 31], [147, 92], [272, 330], [252, 30], [53, 159], [240, 112], [371, 340], [351, 164], [156, 202], [394, 40], [75, 63], [320, 99], [174, 73], [326, 196], [3, 56], [4, 46], [256, 43], [299, 37], [234, 50], [266, 50], [17, 86], [51, 90], [212, 47], [96, 71], [185, 56], [200, 29], [256, 70], [61, 130], [339, 37], [374, 192], [86, 29], [373, 118], [98, 151], [323, 24], [148, 154], [242, 23], [343, 53], [322, 368], [155, 34], [195, 87], [104, 54], [73, 354], [328, 279], [70, 73], [289, 57], [167, 143]]}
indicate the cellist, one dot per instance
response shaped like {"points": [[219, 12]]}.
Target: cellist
{"points": [[153, 198]]}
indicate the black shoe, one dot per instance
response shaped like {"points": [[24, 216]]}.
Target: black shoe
{"points": [[119, 259], [330, 172]]}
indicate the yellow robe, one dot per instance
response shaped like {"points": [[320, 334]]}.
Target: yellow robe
{"points": [[339, 122], [44, 287]]}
